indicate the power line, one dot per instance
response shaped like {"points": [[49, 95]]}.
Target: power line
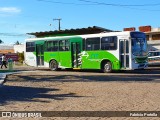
{"points": [[100, 3], [111, 4], [67, 3], [141, 9], [128, 6]]}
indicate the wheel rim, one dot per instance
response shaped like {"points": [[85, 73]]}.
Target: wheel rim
{"points": [[53, 65], [107, 67]]}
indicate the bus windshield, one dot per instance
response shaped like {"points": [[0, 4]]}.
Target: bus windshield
{"points": [[139, 46]]}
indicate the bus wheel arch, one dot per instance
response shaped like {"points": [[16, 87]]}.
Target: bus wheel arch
{"points": [[53, 65], [106, 66]]}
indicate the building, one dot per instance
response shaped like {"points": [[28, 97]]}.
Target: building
{"points": [[6, 48], [19, 48], [79, 31], [11, 48], [152, 36], [9, 51]]}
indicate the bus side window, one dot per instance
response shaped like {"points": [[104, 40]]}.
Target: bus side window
{"points": [[64, 45], [84, 44], [55, 46], [49, 46], [93, 44], [109, 43], [61, 45], [67, 45], [30, 47]]}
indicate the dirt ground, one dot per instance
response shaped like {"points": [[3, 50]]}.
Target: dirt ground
{"points": [[44, 90]]}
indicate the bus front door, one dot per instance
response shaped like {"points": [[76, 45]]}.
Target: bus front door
{"points": [[76, 54], [40, 54], [124, 53]]}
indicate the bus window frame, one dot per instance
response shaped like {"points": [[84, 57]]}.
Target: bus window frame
{"points": [[31, 47]]}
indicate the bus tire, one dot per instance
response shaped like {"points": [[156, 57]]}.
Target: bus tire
{"points": [[107, 67], [53, 65]]}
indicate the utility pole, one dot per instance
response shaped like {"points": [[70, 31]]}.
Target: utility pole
{"points": [[59, 21]]}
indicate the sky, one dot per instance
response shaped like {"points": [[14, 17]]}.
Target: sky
{"points": [[18, 17]]}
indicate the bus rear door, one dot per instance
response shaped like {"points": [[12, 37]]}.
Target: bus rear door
{"points": [[40, 53]]}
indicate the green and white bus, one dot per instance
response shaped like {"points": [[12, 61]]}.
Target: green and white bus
{"points": [[103, 51]]}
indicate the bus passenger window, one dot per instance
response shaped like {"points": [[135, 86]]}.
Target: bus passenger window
{"points": [[84, 44], [30, 47], [64, 45], [67, 44], [92, 44], [89, 47], [109, 43], [55, 46]]}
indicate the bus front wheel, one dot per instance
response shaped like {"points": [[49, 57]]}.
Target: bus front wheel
{"points": [[53, 65], [107, 67]]}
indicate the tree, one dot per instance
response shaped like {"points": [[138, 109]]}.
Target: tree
{"points": [[17, 43], [21, 57], [1, 41]]}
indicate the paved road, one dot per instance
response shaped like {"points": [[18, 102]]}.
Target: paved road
{"points": [[151, 72], [82, 91]]}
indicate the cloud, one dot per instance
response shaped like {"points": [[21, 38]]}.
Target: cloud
{"points": [[9, 10]]}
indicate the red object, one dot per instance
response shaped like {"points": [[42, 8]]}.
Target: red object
{"points": [[129, 29], [145, 28], [13, 56]]}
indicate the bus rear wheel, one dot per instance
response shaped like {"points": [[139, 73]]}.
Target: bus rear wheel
{"points": [[107, 67], [53, 65]]}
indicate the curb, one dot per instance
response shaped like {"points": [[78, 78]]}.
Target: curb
{"points": [[2, 78]]}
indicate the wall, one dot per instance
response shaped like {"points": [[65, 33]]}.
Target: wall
{"points": [[19, 48], [7, 51], [153, 45]]}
